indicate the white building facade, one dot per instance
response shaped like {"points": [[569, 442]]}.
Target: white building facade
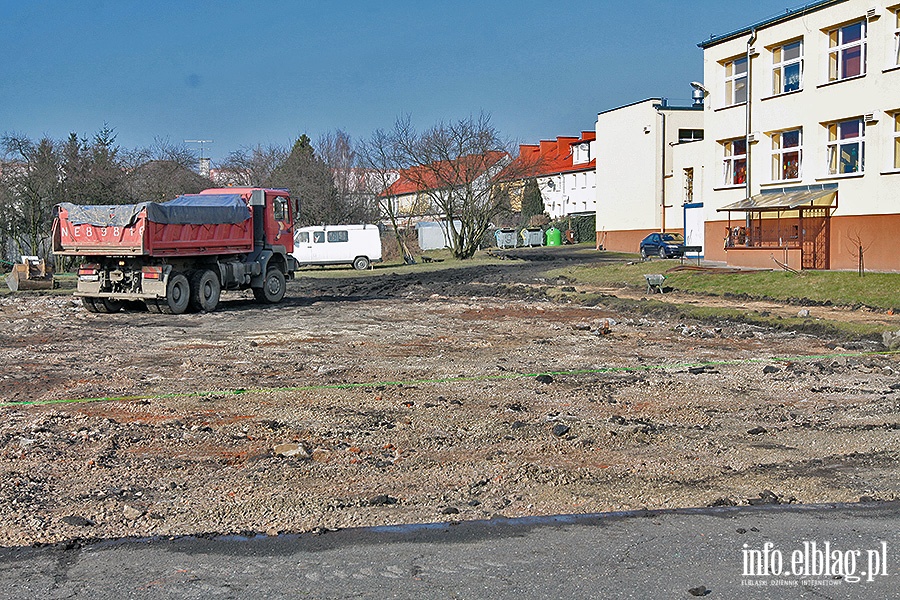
{"points": [[648, 170], [565, 171], [802, 148], [572, 191]]}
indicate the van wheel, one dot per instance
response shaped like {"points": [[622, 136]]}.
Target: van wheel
{"points": [[205, 290], [178, 295], [272, 290], [361, 263]]}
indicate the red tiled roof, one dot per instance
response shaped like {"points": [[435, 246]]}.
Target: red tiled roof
{"points": [[421, 178], [551, 157]]}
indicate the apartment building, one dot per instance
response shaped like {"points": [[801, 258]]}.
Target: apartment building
{"points": [[802, 148], [565, 170]]}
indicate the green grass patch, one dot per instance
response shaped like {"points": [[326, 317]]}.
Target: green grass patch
{"points": [[876, 290]]}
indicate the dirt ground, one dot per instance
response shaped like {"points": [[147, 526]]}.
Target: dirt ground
{"points": [[459, 394]]}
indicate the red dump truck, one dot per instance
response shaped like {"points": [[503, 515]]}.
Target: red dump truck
{"points": [[177, 256]]}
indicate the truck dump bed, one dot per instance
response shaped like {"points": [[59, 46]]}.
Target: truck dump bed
{"points": [[190, 225]]}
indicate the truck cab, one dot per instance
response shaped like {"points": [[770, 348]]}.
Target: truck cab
{"points": [[277, 209]]}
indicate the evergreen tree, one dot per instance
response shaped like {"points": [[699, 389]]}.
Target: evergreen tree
{"points": [[309, 180], [532, 200]]}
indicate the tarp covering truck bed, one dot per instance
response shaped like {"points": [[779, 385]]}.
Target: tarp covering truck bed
{"points": [[189, 209], [190, 224]]}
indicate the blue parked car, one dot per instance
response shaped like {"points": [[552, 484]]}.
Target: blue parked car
{"points": [[663, 245]]}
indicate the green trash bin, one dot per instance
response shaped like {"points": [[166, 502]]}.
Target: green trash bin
{"points": [[554, 237]]}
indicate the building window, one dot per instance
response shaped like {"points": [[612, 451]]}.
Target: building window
{"points": [[736, 81], [582, 153], [735, 164], [689, 185], [787, 67], [897, 141], [847, 51], [897, 37], [689, 135], [846, 147], [786, 154]]}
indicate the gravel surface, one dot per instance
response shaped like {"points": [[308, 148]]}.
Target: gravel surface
{"points": [[459, 394]]}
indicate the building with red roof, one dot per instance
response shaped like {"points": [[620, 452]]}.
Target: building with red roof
{"points": [[565, 169], [419, 190]]}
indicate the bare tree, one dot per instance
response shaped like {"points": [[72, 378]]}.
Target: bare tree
{"points": [[32, 183], [460, 166], [162, 149], [163, 171], [252, 166], [858, 249], [351, 200], [380, 159], [162, 180]]}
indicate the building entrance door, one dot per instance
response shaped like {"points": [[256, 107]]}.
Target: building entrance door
{"points": [[814, 228]]}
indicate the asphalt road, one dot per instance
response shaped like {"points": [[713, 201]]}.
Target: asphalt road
{"points": [[649, 555]]}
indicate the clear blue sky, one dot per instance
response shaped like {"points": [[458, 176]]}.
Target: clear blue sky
{"points": [[260, 72]]}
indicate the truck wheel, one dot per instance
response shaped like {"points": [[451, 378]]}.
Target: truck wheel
{"points": [[89, 305], [361, 263], [272, 290], [205, 290], [108, 305], [178, 294]]}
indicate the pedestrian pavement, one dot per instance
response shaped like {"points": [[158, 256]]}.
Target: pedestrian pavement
{"points": [[818, 552]]}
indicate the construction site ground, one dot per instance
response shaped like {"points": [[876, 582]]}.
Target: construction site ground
{"points": [[457, 393]]}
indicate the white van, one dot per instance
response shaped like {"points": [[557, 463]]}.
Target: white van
{"points": [[357, 245]]}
